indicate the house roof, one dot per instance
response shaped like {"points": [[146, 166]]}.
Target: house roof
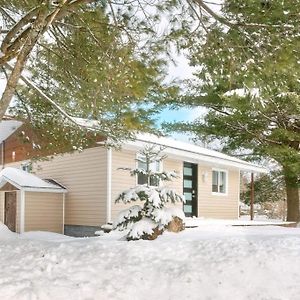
{"points": [[194, 153], [8, 127], [27, 181]]}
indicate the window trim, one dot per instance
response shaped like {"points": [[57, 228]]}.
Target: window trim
{"points": [[137, 166], [226, 181]]}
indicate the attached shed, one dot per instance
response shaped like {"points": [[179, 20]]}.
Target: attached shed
{"points": [[29, 203]]}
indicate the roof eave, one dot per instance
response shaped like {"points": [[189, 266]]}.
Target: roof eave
{"points": [[198, 157]]}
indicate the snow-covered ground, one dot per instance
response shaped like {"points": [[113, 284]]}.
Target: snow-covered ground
{"points": [[209, 262], [242, 221]]}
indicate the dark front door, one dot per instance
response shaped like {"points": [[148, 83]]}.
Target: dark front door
{"points": [[190, 182], [10, 210]]}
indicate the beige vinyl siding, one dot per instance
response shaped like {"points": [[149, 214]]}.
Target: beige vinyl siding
{"points": [[177, 183], [177, 166], [121, 179], [217, 206], [44, 211], [84, 176]]}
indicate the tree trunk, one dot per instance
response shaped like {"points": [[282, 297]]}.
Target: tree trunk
{"points": [[292, 193], [36, 31]]}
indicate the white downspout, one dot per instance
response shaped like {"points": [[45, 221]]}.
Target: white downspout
{"points": [[239, 194], [108, 187], [63, 225]]}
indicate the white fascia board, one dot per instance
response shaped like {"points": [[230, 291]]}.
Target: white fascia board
{"points": [[43, 190], [198, 157]]}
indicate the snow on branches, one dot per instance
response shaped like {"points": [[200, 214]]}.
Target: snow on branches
{"points": [[151, 219]]}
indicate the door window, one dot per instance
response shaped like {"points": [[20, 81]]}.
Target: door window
{"points": [[190, 189]]}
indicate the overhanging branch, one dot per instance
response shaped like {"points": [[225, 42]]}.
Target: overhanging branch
{"points": [[32, 85], [231, 24]]}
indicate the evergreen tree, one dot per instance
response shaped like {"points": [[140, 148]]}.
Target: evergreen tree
{"points": [[151, 219], [84, 59], [268, 188], [249, 82]]}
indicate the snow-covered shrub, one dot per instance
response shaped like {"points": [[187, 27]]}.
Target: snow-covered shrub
{"points": [[151, 219]]}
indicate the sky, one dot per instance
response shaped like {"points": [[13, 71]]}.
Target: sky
{"points": [[181, 70]]}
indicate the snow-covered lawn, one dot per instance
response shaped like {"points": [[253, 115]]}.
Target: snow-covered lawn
{"points": [[209, 262]]}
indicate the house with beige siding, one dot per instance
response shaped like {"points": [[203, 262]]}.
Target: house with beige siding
{"points": [[91, 180]]}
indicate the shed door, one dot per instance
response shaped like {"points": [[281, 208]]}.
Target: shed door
{"points": [[10, 210]]}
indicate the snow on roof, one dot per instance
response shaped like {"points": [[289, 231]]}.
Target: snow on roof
{"points": [[187, 150], [27, 181], [8, 127], [194, 152]]}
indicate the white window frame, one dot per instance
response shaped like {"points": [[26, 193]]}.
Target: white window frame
{"points": [[138, 156], [226, 182]]}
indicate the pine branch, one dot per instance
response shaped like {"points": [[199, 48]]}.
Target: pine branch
{"points": [[32, 85], [231, 24]]}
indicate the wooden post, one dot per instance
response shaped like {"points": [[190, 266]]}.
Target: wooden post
{"points": [[252, 198]]}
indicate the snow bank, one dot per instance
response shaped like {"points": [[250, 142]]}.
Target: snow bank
{"points": [[209, 262], [45, 236], [5, 233]]}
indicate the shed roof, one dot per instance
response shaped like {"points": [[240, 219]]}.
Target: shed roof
{"points": [[27, 181]]}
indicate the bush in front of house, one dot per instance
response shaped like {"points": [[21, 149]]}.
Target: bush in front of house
{"points": [[152, 218]]}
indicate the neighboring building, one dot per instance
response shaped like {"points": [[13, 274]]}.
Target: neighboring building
{"points": [[210, 180]]}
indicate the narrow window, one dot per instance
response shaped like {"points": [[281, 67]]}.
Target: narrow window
{"points": [[141, 178], [215, 183], [154, 167], [219, 181]]}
